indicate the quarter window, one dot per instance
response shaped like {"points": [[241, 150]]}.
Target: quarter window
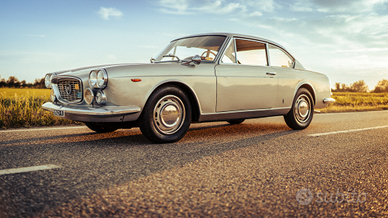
{"points": [[279, 58]]}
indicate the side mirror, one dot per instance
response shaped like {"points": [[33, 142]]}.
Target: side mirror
{"points": [[196, 59]]}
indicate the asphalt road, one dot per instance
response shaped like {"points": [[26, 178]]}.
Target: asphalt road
{"points": [[336, 167]]}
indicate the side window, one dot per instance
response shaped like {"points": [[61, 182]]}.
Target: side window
{"points": [[251, 52], [278, 58]]}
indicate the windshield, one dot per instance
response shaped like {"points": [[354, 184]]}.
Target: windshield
{"points": [[184, 49]]}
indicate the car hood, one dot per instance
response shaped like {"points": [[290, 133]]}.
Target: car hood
{"points": [[134, 69], [80, 71]]}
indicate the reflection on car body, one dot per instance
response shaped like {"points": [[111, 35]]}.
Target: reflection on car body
{"points": [[198, 78]]}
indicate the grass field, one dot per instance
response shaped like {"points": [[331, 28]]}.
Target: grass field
{"points": [[24, 92], [22, 107]]}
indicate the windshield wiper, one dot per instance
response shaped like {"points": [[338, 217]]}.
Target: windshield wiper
{"points": [[171, 56]]}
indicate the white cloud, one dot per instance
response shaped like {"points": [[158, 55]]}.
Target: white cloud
{"points": [[353, 6], [174, 6], [261, 5], [106, 13], [256, 14], [186, 7]]}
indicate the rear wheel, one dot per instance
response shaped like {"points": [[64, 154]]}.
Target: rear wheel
{"points": [[166, 116], [237, 121], [100, 128], [302, 111]]}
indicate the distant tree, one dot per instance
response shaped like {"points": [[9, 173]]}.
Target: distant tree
{"points": [[39, 83], [3, 83], [382, 86], [359, 86], [23, 83], [338, 86], [13, 82], [344, 87]]}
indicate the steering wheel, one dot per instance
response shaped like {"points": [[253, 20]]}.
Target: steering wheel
{"points": [[208, 52]]}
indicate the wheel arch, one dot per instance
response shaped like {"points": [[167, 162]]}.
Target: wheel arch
{"points": [[307, 86], [189, 92]]}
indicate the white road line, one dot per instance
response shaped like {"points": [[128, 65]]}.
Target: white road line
{"points": [[347, 131], [28, 169], [40, 129]]}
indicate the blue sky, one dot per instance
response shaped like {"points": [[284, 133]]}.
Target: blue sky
{"points": [[345, 39]]}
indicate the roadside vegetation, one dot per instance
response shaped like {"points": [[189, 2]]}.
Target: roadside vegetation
{"points": [[23, 108], [355, 101], [358, 97]]}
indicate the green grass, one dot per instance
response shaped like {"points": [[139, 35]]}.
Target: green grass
{"points": [[23, 108]]}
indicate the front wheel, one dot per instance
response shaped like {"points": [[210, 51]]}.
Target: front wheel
{"points": [[302, 111], [166, 116]]}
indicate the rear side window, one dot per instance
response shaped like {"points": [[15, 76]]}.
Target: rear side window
{"points": [[251, 52], [246, 52], [278, 58]]}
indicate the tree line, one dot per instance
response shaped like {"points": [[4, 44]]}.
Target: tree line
{"points": [[360, 86], [13, 82]]}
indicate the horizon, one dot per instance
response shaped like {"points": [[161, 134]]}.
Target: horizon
{"points": [[347, 41]]}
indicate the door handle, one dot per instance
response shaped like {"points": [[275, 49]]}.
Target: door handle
{"points": [[271, 73]]}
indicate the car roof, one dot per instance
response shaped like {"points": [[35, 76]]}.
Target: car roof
{"points": [[233, 35]]}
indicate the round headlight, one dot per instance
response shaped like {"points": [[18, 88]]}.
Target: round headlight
{"points": [[47, 80], [53, 98], [92, 79], [88, 96], [102, 79], [100, 97]]}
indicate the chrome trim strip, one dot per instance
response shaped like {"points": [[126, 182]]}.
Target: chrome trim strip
{"points": [[328, 100], [229, 115], [88, 110]]}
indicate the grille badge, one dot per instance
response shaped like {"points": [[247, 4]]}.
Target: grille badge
{"points": [[68, 89]]}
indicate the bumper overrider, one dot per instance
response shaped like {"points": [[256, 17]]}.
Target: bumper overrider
{"points": [[86, 113], [328, 100]]}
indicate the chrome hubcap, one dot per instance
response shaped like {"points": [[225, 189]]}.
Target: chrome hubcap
{"points": [[169, 114], [302, 108]]}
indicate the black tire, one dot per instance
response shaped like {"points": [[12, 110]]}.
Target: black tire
{"points": [[166, 116], [100, 128], [302, 110], [237, 121]]}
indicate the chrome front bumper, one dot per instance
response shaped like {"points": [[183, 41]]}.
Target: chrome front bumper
{"points": [[96, 114]]}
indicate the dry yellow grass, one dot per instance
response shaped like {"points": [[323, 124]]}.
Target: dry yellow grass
{"points": [[23, 108], [350, 101], [23, 92]]}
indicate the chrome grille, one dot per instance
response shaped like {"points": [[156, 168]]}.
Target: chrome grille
{"points": [[70, 90]]}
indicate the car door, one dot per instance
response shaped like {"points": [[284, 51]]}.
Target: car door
{"points": [[288, 77], [245, 81]]}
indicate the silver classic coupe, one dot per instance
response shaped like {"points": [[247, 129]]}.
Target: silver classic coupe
{"points": [[198, 78]]}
